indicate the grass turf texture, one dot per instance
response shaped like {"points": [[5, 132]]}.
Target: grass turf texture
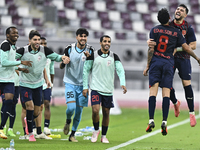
{"points": [[129, 125]]}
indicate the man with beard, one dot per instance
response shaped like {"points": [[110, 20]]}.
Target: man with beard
{"points": [[182, 61], [8, 64], [160, 64], [102, 64], [73, 80], [32, 82]]}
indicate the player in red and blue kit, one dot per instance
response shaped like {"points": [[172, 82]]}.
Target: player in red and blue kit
{"points": [[160, 65], [182, 62]]}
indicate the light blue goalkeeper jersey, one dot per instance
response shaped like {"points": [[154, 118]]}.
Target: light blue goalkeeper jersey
{"points": [[102, 67], [74, 70], [35, 77], [7, 62]]}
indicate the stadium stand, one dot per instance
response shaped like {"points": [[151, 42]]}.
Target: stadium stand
{"points": [[127, 19]]}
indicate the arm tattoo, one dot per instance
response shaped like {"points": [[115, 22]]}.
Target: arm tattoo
{"points": [[150, 55]]}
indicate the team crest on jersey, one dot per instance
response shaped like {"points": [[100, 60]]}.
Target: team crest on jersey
{"points": [[39, 57], [183, 32], [83, 58], [109, 62]]}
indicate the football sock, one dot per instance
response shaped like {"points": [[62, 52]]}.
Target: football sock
{"points": [[34, 126], [39, 130], [104, 130], [152, 106], [46, 123], [173, 96], [96, 125], [68, 121], [77, 118], [165, 107], [2, 107], [72, 133], [12, 115], [6, 112], [189, 97], [24, 130], [29, 119]]}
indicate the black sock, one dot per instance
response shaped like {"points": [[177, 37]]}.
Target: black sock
{"points": [[152, 106], [68, 121], [34, 126], [39, 130], [104, 130], [2, 107], [24, 130], [72, 134], [172, 96], [96, 125], [29, 120], [189, 97], [46, 123], [13, 115], [6, 111], [165, 108]]}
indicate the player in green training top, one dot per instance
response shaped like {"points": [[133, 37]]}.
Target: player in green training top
{"points": [[8, 64], [32, 82], [102, 64]]}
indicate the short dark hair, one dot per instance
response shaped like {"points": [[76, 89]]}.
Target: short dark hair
{"points": [[8, 29], [33, 33], [42, 38], [101, 39], [184, 6], [81, 31], [163, 16]]}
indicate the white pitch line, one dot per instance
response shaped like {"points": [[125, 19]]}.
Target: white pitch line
{"points": [[150, 134]]}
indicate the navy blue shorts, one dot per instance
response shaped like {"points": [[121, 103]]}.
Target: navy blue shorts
{"points": [[28, 94], [106, 101], [16, 95], [47, 94], [184, 68], [8, 87], [161, 72]]}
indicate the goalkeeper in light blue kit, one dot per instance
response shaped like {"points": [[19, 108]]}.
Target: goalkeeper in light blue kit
{"points": [[102, 64], [32, 82], [73, 79]]}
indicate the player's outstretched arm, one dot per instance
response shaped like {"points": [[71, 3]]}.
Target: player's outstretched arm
{"points": [[190, 52]]}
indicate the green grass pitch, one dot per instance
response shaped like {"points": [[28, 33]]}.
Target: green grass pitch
{"points": [[131, 124]]}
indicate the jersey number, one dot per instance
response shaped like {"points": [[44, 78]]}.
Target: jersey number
{"points": [[70, 94], [95, 98], [26, 94], [164, 43]]}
